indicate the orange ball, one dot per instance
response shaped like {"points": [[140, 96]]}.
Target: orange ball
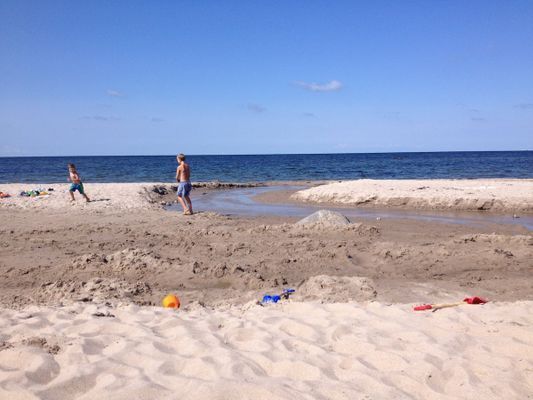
{"points": [[171, 301]]}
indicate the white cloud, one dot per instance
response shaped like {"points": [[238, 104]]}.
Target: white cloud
{"points": [[331, 86], [114, 93]]}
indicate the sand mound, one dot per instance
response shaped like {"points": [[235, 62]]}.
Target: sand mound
{"points": [[96, 290], [136, 259], [130, 260], [325, 218], [333, 289]]}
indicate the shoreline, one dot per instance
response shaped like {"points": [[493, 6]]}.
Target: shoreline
{"points": [[495, 195]]}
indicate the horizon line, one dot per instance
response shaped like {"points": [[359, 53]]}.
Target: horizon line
{"points": [[270, 154]]}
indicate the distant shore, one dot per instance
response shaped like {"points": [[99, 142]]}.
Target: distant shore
{"points": [[498, 195]]}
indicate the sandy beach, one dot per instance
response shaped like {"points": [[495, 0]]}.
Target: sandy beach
{"points": [[298, 350], [428, 194], [81, 286]]}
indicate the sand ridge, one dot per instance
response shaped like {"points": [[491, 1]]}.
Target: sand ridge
{"points": [[439, 194]]}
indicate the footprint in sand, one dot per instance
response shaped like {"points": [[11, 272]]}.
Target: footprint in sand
{"points": [[294, 370], [299, 330], [69, 388], [39, 368], [248, 339]]}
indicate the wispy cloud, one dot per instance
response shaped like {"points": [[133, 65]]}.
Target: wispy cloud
{"points": [[392, 115], [308, 114], [524, 106], [102, 118], [331, 86], [157, 119], [255, 108], [114, 93], [476, 115]]}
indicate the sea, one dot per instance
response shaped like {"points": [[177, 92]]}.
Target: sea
{"points": [[275, 167]]}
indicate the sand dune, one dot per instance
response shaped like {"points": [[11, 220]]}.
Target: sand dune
{"points": [[466, 194], [293, 350]]}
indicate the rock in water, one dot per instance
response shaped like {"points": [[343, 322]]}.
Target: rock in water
{"points": [[325, 217]]}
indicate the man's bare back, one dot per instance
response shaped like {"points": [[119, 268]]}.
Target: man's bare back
{"points": [[183, 176], [183, 173]]}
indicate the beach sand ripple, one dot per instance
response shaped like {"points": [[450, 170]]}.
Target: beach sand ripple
{"points": [[296, 350]]}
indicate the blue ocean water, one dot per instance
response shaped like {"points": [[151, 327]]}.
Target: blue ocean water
{"points": [[258, 168]]}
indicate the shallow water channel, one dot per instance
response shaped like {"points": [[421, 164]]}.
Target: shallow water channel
{"points": [[241, 202]]}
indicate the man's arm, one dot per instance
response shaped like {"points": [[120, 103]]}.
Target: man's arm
{"points": [[178, 173]]}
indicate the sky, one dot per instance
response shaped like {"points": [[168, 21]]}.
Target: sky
{"points": [[263, 77]]}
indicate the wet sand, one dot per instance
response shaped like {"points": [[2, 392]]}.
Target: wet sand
{"points": [[127, 238], [48, 253]]}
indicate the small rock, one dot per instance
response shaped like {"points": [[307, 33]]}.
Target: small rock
{"points": [[325, 217], [101, 314]]}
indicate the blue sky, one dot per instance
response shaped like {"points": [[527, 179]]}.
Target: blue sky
{"points": [[237, 77]]}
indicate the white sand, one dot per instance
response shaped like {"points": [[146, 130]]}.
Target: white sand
{"points": [[290, 351], [103, 195], [467, 194]]}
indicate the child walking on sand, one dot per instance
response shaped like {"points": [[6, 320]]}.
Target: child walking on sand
{"points": [[76, 184], [183, 176]]}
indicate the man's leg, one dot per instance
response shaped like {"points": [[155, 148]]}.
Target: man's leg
{"points": [[71, 195], [189, 203], [180, 199]]}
